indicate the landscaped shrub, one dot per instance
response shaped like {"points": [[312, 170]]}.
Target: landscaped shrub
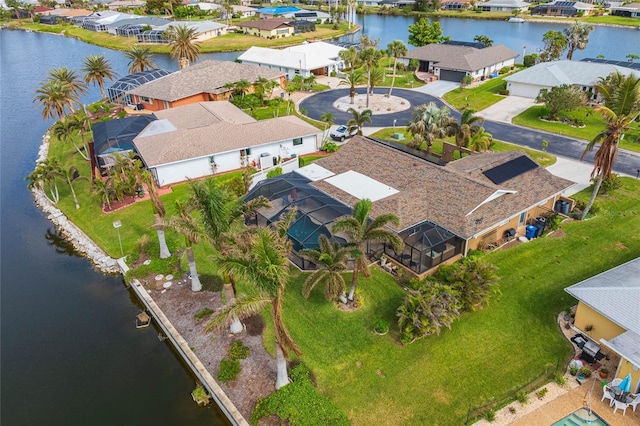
{"points": [[609, 184], [202, 313], [229, 370], [522, 397], [238, 350], [473, 279], [274, 172], [489, 415], [503, 92], [541, 393], [329, 147], [299, 403]]}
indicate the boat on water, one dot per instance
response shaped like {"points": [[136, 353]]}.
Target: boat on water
{"points": [[516, 20]]}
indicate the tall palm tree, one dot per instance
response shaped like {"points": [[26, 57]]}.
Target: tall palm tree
{"points": [[184, 44], [55, 98], [621, 96], [396, 49], [331, 259], [430, 122], [159, 213], [328, 118], [266, 268], [377, 76], [350, 57], [359, 118], [140, 59], [185, 224], [69, 175], [360, 231], [97, 69], [466, 128], [352, 79], [44, 177], [77, 87], [64, 131], [370, 57], [577, 37], [242, 86]]}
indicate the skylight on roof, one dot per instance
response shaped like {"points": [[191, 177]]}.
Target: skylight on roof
{"points": [[361, 186]]}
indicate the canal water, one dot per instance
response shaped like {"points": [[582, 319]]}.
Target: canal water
{"points": [[71, 354]]}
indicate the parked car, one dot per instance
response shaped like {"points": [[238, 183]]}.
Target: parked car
{"points": [[342, 133]]}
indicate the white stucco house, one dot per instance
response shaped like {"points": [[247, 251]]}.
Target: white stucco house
{"points": [[318, 58], [206, 138], [545, 75], [504, 6]]}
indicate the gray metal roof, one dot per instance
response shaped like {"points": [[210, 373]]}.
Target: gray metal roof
{"points": [[557, 73]]}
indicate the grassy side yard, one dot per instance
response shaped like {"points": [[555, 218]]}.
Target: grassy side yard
{"points": [[487, 354], [542, 158], [594, 123], [476, 98]]}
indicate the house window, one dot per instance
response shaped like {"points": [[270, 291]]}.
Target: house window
{"points": [[297, 141], [523, 218], [145, 99]]}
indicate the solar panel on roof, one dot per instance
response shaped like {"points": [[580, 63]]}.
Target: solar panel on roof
{"points": [[510, 169]]}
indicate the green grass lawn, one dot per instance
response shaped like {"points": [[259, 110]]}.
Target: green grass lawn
{"points": [[542, 158], [594, 123], [477, 98]]}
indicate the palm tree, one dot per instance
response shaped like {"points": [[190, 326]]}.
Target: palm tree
{"points": [[64, 129], [352, 79], [360, 231], [55, 98], [242, 86], [97, 69], [331, 259], [377, 76], [480, 140], [466, 128], [103, 189], [577, 37], [262, 87], [430, 122], [184, 44], [77, 87], [621, 96], [185, 224], [44, 178], [69, 175], [82, 123], [370, 56], [158, 214], [350, 57], [396, 49], [329, 119], [266, 268], [140, 59], [359, 118]]}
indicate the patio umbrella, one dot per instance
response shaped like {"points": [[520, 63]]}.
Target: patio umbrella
{"points": [[625, 385]]}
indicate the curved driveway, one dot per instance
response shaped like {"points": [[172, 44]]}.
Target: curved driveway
{"points": [[319, 103]]}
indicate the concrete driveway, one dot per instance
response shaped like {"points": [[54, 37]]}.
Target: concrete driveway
{"points": [[438, 88], [506, 109]]}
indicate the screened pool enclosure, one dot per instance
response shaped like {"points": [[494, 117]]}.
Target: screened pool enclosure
{"points": [[117, 92], [426, 245]]}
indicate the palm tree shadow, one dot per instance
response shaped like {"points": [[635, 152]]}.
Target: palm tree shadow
{"points": [[62, 246]]}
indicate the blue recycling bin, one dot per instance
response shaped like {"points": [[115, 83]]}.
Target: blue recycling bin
{"points": [[530, 232], [565, 207]]}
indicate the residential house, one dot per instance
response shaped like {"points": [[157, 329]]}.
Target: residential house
{"points": [[504, 6], [117, 92], [127, 4], [456, 4], [267, 28], [631, 10], [608, 312], [444, 210], [273, 12], [318, 58], [243, 11], [204, 81], [545, 75], [205, 138], [454, 60], [564, 8]]}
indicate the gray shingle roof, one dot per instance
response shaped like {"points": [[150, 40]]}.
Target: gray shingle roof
{"points": [[206, 128], [204, 77], [453, 197], [265, 24], [614, 293], [463, 58]]}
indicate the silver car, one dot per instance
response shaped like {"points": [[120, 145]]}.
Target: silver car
{"points": [[342, 133]]}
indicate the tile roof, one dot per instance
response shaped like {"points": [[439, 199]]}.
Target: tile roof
{"points": [[204, 77], [265, 24], [462, 58], [614, 293], [457, 197], [206, 128]]}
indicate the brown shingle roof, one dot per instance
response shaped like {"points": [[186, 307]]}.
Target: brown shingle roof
{"points": [[207, 128], [453, 196], [204, 77], [464, 58], [265, 24]]}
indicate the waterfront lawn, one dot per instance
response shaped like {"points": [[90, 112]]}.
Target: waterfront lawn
{"points": [[487, 354], [594, 123], [476, 98], [543, 158]]}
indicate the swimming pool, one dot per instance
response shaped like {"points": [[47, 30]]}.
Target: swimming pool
{"points": [[581, 417]]}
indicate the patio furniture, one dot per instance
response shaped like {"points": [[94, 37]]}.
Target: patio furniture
{"points": [[620, 405], [606, 394], [635, 401], [615, 382]]}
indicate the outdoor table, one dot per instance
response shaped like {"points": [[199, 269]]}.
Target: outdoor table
{"points": [[620, 395]]}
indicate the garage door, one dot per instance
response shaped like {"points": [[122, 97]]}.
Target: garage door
{"points": [[449, 75]]}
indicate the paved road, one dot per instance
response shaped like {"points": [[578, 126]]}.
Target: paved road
{"points": [[315, 105]]}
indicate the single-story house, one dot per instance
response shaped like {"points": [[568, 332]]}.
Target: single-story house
{"points": [[101, 21], [610, 303], [451, 61], [243, 11], [503, 6], [318, 58], [204, 81], [456, 4], [545, 75], [117, 92], [135, 26], [127, 4], [309, 15], [444, 211], [267, 28], [272, 12], [563, 8], [631, 10], [205, 138]]}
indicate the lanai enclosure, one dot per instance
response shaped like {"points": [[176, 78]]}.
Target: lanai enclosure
{"points": [[425, 245], [117, 92]]}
